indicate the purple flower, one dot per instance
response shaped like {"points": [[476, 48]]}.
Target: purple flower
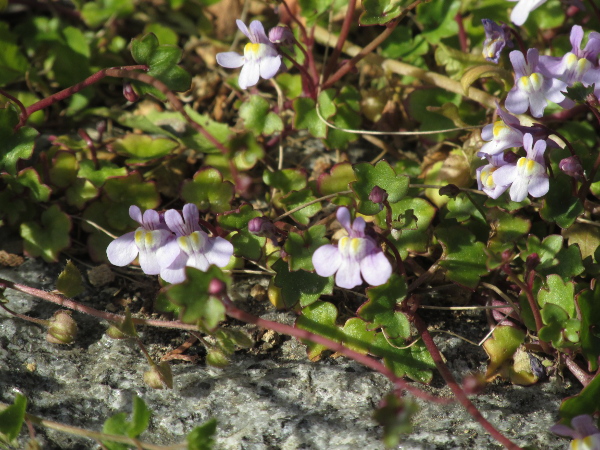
{"points": [[584, 432], [355, 255], [145, 241], [576, 66], [496, 37], [522, 9], [504, 133], [281, 35], [192, 246], [485, 178], [528, 175], [261, 58], [532, 88]]}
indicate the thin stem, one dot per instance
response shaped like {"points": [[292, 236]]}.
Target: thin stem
{"points": [[320, 199], [370, 47], [532, 304], [94, 434], [16, 101], [337, 51], [400, 264], [75, 306], [233, 312], [41, 322], [305, 75], [462, 34], [66, 93], [90, 144], [477, 206], [459, 393], [489, 101]]}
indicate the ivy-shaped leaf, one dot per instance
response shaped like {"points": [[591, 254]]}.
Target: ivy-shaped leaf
{"points": [[380, 310], [306, 115], [558, 292], [49, 237], [299, 198], [301, 246], [162, 61], [141, 148], [589, 306], [357, 336], [208, 191], [500, 348], [14, 145], [414, 362], [192, 297], [245, 244], [383, 175], [464, 258], [559, 205], [586, 402], [286, 180], [118, 424], [12, 419], [259, 118], [203, 436], [380, 12], [319, 318], [300, 286]]}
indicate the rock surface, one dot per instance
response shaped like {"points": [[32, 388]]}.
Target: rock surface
{"points": [[270, 400]]}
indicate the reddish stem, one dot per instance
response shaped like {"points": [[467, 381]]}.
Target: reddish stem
{"points": [[583, 377], [90, 144], [337, 51], [16, 101], [460, 394], [232, 311], [462, 34]]}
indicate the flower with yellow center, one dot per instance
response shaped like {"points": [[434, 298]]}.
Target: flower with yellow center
{"points": [[356, 257], [260, 59]]}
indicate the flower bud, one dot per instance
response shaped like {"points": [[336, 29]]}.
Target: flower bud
{"points": [[129, 93], [61, 328], [532, 261], [378, 195], [216, 287], [159, 376], [572, 167], [473, 384], [281, 35], [450, 190], [259, 225], [510, 157]]}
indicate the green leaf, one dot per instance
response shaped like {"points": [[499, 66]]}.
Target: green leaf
{"points": [[473, 74], [291, 85], [162, 60], [208, 191], [414, 362], [97, 177], [501, 347], [286, 180], [586, 402], [319, 318], [118, 424], [437, 18], [395, 416], [507, 229], [560, 293], [300, 247], [298, 198], [141, 148], [338, 179], [300, 286], [380, 310], [463, 258], [586, 237], [14, 145], [12, 419], [64, 168], [380, 12], [258, 118], [81, 192], [245, 244], [347, 116], [357, 336], [402, 45], [589, 307], [192, 296], [559, 329], [306, 115], [383, 175], [312, 9], [202, 437], [70, 282], [49, 237], [97, 12], [30, 179], [13, 64], [559, 205]]}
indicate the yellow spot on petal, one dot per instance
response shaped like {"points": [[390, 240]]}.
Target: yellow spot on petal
{"points": [[530, 166], [499, 127], [149, 239], [524, 83], [251, 48], [355, 245], [536, 80], [521, 162], [343, 243], [571, 59]]}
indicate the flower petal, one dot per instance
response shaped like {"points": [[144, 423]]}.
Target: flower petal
{"points": [[122, 251], [505, 175], [218, 251], [151, 220], [149, 262], [135, 213], [517, 101], [230, 60], [376, 268], [518, 190], [326, 260], [538, 186], [576, 38], [198, 260], [249, 74], [517, 60], [168, 253], [343, 217], [269, 66], [175, 222], [348, 275], [175, 273], [191, 217], [257, 33], [243, 28]]}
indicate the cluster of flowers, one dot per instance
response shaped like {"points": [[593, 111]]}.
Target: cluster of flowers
{"points": [[167, 244], [261, 56], [538, 80]]}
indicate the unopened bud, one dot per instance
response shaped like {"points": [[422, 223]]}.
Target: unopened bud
{"points": [[532, 261], [159, 376], [572, 167], [507, 255], [129, 93], [216, 287], [473, 384], [378, 195], [259, 225], [281, 35], [61, 328]]}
